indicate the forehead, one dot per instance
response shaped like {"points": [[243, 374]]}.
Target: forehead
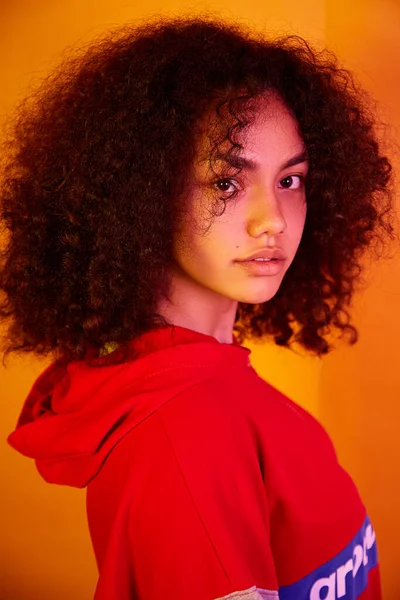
{"points": [[273, 128]]}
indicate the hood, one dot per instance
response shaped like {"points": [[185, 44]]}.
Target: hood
{"points": [[76, 413]]}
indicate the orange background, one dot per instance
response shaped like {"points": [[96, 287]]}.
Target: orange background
{"points": [[45, 550]]}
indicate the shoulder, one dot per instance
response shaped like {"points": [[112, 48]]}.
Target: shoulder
{"points": [[199, 433]]}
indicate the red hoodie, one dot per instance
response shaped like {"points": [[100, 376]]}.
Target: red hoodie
{"points": [[203, 481]]}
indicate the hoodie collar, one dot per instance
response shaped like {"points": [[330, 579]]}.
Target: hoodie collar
{"points": [[75, 414]]}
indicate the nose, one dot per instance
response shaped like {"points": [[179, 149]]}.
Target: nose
{"points": [[266, 216]]}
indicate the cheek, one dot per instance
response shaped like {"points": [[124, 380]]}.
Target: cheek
{"points": [[296, 216]]}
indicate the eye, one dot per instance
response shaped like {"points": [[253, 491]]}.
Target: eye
{"points": [[288, 181], [226, 185]]}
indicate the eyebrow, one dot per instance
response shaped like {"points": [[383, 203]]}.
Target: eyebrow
{"points": [[239, 162]]}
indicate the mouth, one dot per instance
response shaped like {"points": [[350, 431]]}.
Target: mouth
{"points": [[266, 254], [264, 266], [261, 259]]}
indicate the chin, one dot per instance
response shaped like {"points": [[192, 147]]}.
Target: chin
{"points": [[258, 296]]}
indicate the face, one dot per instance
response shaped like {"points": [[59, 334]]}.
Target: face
{"points": [[265, 210]]}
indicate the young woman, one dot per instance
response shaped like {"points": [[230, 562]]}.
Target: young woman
{"points": [[178, 188]]}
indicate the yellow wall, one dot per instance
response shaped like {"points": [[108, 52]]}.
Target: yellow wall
{"points": [[45, 550], [360, 387]]}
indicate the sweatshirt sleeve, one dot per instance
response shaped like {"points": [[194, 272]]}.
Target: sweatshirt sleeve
{"points": [[187, 514]]}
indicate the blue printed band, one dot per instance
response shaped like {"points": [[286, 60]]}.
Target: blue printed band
{"points": [[344, 577]]}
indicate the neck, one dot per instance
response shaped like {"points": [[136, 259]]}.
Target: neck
{"points": [[197, 308]]}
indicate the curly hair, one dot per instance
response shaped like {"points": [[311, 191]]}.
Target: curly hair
{"points": [[97, 159]]}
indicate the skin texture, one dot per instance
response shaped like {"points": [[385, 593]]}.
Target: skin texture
{"points": [[268, 210]]}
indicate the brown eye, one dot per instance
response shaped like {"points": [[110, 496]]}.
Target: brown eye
{"points": [[227, 186], [288, 181]]}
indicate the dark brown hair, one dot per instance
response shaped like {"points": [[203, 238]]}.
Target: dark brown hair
{"points": [[97, 159]]}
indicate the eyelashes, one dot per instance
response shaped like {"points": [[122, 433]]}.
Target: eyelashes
{"points": [[229, 181], [290, 177], [235, 184]]}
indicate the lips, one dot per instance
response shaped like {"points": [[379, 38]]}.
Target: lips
{"points": [[267, 253]]}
